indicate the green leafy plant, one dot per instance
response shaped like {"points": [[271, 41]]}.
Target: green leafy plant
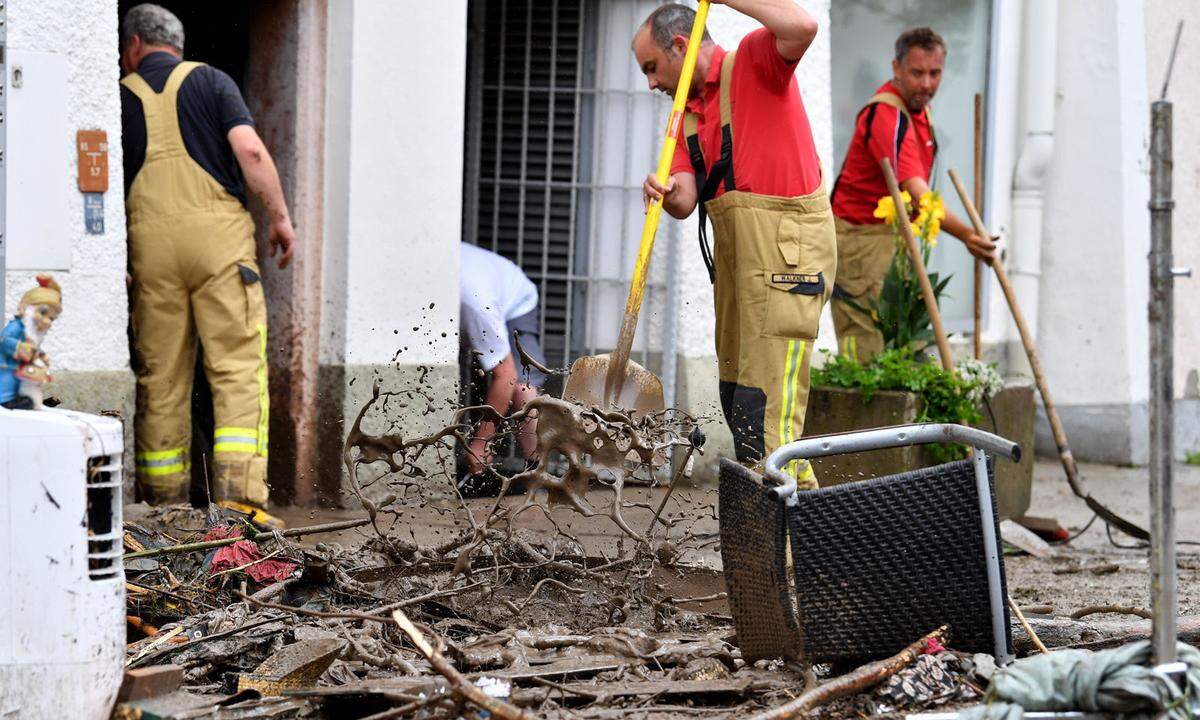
{"points": [[1192, 458], [900, 312], [947, 397]]}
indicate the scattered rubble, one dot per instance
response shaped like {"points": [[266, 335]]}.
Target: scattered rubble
{"points": [[504, 616]]}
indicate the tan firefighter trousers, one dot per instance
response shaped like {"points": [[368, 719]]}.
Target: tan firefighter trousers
{"points": [[864, 253], [775, 265], [192, 255]]}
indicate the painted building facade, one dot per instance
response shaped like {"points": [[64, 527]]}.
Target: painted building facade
{"points": [[525, 126]]}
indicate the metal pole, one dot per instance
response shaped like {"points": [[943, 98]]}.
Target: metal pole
{"points": [[3, 149], [1163, 593], [991, 548]]}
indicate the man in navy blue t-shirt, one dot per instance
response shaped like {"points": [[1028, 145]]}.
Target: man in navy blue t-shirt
{"points": [[191, 155]]}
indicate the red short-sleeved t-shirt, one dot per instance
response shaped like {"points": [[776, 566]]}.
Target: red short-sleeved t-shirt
{"points": [[861, 182], [773, 149]]}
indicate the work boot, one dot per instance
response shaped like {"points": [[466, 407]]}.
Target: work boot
{"points": [[239, 483], [171, 490], [241, 478], [256, 516]]}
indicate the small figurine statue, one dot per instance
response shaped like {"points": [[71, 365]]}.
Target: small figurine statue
{"points": [[24, 368]]}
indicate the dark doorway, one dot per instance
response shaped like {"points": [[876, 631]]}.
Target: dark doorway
{"points": [[216, 32]]}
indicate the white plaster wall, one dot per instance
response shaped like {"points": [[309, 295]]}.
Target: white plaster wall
{"points": [[728, 27], [1161, 17], [1092, 311], [394, 157], [91, 333]]}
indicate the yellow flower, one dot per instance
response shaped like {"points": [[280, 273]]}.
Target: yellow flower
{"points": [[929, 219], [931, 203], [886, 209], [931, 232]]}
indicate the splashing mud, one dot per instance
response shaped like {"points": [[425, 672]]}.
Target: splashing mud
{"points": [[600, 450]]}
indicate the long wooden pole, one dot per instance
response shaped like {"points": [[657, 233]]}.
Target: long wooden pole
{"points": [[1039, 377], [978, 336], [914, 252]]}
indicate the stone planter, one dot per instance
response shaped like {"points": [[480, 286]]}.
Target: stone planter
{"points": [[835, 410], [1015, 408]]}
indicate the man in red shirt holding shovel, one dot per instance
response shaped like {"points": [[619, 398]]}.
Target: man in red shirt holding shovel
{"points": [[749, 163]]}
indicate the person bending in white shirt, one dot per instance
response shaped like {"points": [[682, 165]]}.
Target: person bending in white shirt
{"points": [[496, 299]]}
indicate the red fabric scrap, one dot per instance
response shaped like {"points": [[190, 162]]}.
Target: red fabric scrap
{"points": [[243, 553]]}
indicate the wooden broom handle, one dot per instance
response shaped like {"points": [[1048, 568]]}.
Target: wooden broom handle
{"points": [[914, 252]]}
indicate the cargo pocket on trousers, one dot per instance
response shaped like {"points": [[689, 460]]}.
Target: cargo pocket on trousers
{"points": [[794, 302], [255, 303], [796, 283]]}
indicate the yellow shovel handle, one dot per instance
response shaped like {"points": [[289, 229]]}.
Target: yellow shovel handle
{"points": [[634, 303]]}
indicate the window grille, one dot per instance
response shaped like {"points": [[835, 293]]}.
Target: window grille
{"points": [[561, 130]]}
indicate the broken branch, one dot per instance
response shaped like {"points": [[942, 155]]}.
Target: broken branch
{"points": [[854, 682], [458, 682], [544, 581], [1116, 609], [701, 599], [209, 544]]}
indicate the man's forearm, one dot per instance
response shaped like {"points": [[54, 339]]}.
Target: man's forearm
{"points": [[499, 394], [956, 227], [259, 170], [263, 180], [680, 202], [916, 187], [792, 26], [679, 206]]}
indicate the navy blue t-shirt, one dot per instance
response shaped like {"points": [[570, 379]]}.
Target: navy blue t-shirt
{"points": [[209, 105]]}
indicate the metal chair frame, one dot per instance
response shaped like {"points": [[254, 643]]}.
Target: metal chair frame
{"points": [[916, 434]]}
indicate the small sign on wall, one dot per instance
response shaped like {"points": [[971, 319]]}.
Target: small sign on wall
{"points": [[92, 152], [93, 212]]}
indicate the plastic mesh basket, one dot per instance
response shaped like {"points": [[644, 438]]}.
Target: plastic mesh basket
{"points": [[876, 564]]}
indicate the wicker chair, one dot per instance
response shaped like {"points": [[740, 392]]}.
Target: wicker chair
{"points": [[875, 563]]}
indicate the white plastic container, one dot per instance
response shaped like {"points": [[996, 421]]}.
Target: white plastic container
{"points": [[62, 581]]}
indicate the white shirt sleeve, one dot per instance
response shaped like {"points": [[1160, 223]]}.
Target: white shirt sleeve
{"points": [[486, 332]]}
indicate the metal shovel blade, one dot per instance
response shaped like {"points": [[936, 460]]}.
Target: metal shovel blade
{"points": [[642, 392]]}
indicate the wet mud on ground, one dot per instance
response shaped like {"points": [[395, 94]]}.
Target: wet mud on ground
{"points": [[1079, 575], [1092, 570], [558, 596]]}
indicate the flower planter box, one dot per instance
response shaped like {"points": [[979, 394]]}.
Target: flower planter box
{"points": [[835, 410]]}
